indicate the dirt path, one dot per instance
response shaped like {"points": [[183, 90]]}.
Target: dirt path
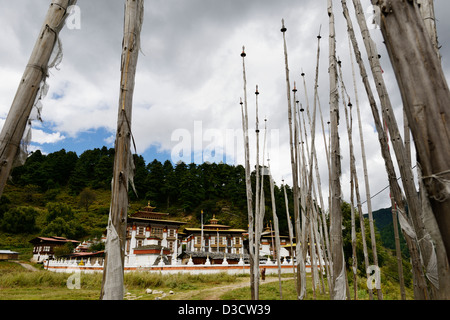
{"points": [[27, 266], [215, 292]]}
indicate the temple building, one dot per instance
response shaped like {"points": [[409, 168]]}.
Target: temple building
{"points": [[267, 246], [44, 247], [151, 236], [215, 237]]}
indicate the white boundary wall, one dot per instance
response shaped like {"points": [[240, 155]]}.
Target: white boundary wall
{"points": [[71, 266]]}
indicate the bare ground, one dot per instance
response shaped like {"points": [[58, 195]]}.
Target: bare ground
{"points": [[215, 292], [27, 266]]}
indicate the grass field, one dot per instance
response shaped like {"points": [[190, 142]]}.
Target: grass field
{"points": [[18, 283]]}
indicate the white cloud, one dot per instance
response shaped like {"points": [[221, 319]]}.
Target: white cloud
{"points": [[191, 71], [32, 148], [110, 140], [41, 137]]}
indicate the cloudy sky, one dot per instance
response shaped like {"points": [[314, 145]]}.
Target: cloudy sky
{"points": [[189, 79]]}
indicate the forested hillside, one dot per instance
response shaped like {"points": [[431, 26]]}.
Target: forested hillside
{"points": [[385, 226], [63, 194], [185, 186], [79, 186]]}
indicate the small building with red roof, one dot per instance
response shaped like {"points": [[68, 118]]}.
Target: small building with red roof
{"points": [[44, 247]]}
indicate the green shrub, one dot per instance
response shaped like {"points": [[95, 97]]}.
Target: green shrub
{"points": [[19, 220]]}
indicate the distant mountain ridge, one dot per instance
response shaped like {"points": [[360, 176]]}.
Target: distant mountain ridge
{"points": [[381, 217], [384, 224]]}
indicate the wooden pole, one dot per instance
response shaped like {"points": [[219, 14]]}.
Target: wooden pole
{"points": [[35, 72], [398, 252], [320, 243], [302, 176], [353, 235], [309, 227], [301, 272], [258, 224], [291, 235], [314, 153], [113, 268], [429, 19], [388, 115], [421, 292], [319, 187], [353, 183], [414, 207], [363, 155], [366, 175], [330, 204], [311, 206], [254, 273], [312, 159], [277, 232], [339, 278], [315, 214], [311, 163], [259, 216], [426, 97], [324, 226], [302, 167], [259, 219]]}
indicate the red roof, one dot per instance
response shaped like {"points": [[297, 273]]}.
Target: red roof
{"points": [[52, 239], [86, 254]]}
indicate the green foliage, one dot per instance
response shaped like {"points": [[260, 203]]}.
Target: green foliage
{"points": [[270, 290], [19, 220], [44, 192], [46, 172], [87, 198], [62, 181], [387, 233], [154, 181], [98, 246], [58, 227], [386, 259], [181, 189], [61, 222], [93, 169], [59, 210], [5, 202], [64, 250], [15, 276], [140, 175]]}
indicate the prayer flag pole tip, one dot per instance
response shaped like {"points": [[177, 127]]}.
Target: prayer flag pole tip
{"points": [[283, 28], [243, 54]]}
